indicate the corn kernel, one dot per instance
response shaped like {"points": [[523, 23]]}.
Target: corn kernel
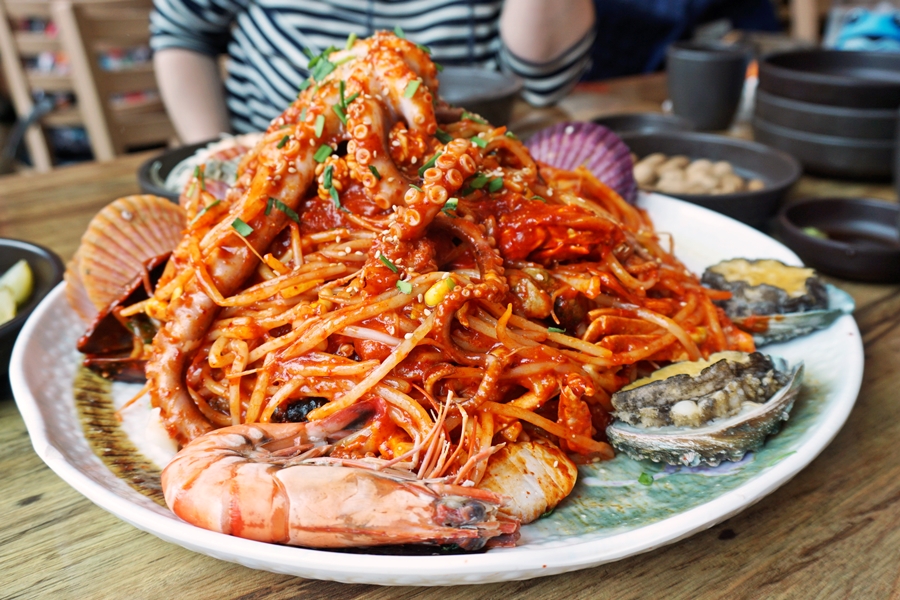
{"points": [[439, 291]]}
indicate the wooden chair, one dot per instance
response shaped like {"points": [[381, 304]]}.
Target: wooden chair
{"points": [[85, 29]]}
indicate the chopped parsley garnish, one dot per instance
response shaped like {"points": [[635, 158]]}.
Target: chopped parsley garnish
{"points": [[405, 287], [351, 39], [473, 117], [429, 164], [375, 172], [283, 141], [496, 184], [555, 330], [480, 142], [398, 31], [411, 88], [479, 181], [319, 125], [322, 153], [340, 113], [443, 137], [387, 262], [292, 215], [645, 479], [417, 188], [450, 204], [327, 176], [242, 228]]}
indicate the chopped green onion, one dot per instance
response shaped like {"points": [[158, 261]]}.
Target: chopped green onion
{"points": [[322, 153], [303, 114], [450, 204], [319, 125], [308, 51], [342, 87], [479, 182], [480, 142], [269, 204], [327, 177], [439, 67], [292, 215], [496, 184], [428, 164], [424, 49], [334, 198], [398, 31], [539, 199], [242, 228], [511, 135], [375, 172], [405, 287], [411, 88], [199, 175], [417, 188], [351, 39], [555, 330], [283, 141], [473, 117], [313, 62], [340, 113], [306, 83], [352, 97], [645, 479], [322, 69], [205, 209], [344, 59], [443, 137], [387, 262]]}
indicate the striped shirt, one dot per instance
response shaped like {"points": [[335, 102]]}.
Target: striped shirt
{"points": [[265, 42]]}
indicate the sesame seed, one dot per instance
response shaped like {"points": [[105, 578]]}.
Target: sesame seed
{"points": [[569, 130], [407, 336]]}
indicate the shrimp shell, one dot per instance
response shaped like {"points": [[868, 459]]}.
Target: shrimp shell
{"points": [[254, 482]]}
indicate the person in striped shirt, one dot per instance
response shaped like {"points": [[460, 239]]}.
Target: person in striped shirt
{"points": [[546, 42]]}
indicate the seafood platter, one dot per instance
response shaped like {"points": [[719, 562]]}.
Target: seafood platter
{"points": [[398, 329]]}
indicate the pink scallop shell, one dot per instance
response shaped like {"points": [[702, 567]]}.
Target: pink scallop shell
{"points": [[571, 145]]}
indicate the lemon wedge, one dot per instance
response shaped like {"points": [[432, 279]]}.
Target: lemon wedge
{"points": [[7, 305], [18, 280]]}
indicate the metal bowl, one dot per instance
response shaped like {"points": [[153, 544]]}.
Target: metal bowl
{"points": [[779, 171], [490, 94], [833, 77], [862, 239]]}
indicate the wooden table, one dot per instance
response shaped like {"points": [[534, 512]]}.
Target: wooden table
{"points": [[830, 532]]}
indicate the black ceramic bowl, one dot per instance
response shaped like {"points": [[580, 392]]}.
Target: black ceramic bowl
{"points": [[862, 244], [490, 94], [47, 270], [862, 123], [830, 155], [750, 160], [152, 174], [645, 122], [833, 77]]}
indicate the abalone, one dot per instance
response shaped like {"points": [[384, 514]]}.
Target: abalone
{"points": [[776, 302], [705, 411]]}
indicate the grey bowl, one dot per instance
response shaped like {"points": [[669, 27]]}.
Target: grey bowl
{"points": [[47, 270], [645, 122], [833, 77], [863, 123], [490, 94], [750, 160], [830, 155], [153, 172], [862, 243]]}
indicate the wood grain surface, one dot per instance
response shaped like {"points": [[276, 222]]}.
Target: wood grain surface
{"points": [[831, 532]]}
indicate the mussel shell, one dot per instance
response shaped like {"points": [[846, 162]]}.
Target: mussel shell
{"points": [[771, 329], [724, 439], [572, 145]]}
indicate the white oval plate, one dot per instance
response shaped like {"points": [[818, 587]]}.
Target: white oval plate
{"points": [[609, 516]]}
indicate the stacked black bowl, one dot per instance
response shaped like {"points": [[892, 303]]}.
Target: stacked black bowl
{"points": [[835, 111]]}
